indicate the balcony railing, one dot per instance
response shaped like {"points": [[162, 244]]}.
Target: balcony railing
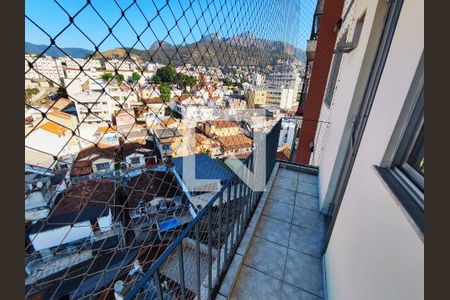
{"points": [[208, 243], [287, 148]]}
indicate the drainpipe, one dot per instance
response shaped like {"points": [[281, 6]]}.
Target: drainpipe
{"points": [[332, 11]]}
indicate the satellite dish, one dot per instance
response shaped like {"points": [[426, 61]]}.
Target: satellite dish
{"points": [[39, 185], [118, 286]]}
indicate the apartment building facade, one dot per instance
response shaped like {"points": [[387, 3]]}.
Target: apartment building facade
{"points": [[282, 89], [44, 67], [377, 195]]}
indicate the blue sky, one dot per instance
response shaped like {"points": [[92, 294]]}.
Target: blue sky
{"points": [[285, 20]]}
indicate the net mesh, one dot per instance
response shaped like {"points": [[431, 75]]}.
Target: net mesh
{"points": [[116, 94]]}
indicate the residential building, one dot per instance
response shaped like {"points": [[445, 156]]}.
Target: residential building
{"points": [[51, 139], [137, 156], [107, 135], [235, 145], [282, 89], [192, 108], [157, 107], [279, 96], [154, 197], [168, 140], [287, 132], [95, 160], [70, 236], [41, 189], [44, 67], [220, 128], [258, 79], [256, 97], [357, 222], [203, 144]]}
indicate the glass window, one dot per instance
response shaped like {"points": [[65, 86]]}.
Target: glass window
{"points": [[417, 158], [135, 160], [102, 166]]}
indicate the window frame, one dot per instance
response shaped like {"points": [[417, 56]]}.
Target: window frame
{"points": [[133, 160], [102, 169], [404, 182]]}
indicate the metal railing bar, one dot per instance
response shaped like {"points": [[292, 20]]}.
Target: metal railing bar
{"points": [[181, 267]]}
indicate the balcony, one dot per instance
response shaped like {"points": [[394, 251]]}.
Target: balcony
{"points": [[280, 254], [245, 244]]}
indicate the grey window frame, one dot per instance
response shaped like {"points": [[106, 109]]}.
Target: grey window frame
{"points": [[406, 183], [334, 73]]}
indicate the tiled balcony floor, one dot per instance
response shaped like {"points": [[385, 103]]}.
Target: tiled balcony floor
{"points": [[283, 260]]}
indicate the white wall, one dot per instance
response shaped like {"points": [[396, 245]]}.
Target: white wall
{"points": [[105, 222], [62, 235], [48, 142], [374, 252], [136, 155]]}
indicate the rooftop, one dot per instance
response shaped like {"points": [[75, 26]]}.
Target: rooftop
{"points": [[234, 142], [149, 185], [222, 123], [54, 128], [85, 201], [205, 167]]}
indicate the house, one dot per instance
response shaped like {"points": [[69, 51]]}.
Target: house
{"points": [[235, 145], [204, 144], [41, 190], [192, 107], [156, 106], [107, 135], [137, 155], [220, 128], [154, 197], [125, 118], [168, 140], [94, 160], [51, 138], [81, 223]]}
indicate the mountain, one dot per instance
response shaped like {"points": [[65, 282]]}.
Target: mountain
{"points": [[250, 40], [31, 48], [213, 50], [212, 37], [162, 44]]}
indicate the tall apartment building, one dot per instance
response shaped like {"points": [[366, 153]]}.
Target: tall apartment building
{"points": [[44, 68], [258, 79], [282, 89]]}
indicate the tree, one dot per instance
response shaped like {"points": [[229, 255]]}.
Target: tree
{"points": [[106, 76], [61, 93], [164, 92], [185, 80], [166, 74], [120, 78], [136, 76], [157, 79], [239, 85], [227, 81], [30, 92]]}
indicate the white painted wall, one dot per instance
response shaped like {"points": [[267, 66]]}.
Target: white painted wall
{"points": [[48, 142], [136, 155], [374, 252], [105, 222], [62, 235]]}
